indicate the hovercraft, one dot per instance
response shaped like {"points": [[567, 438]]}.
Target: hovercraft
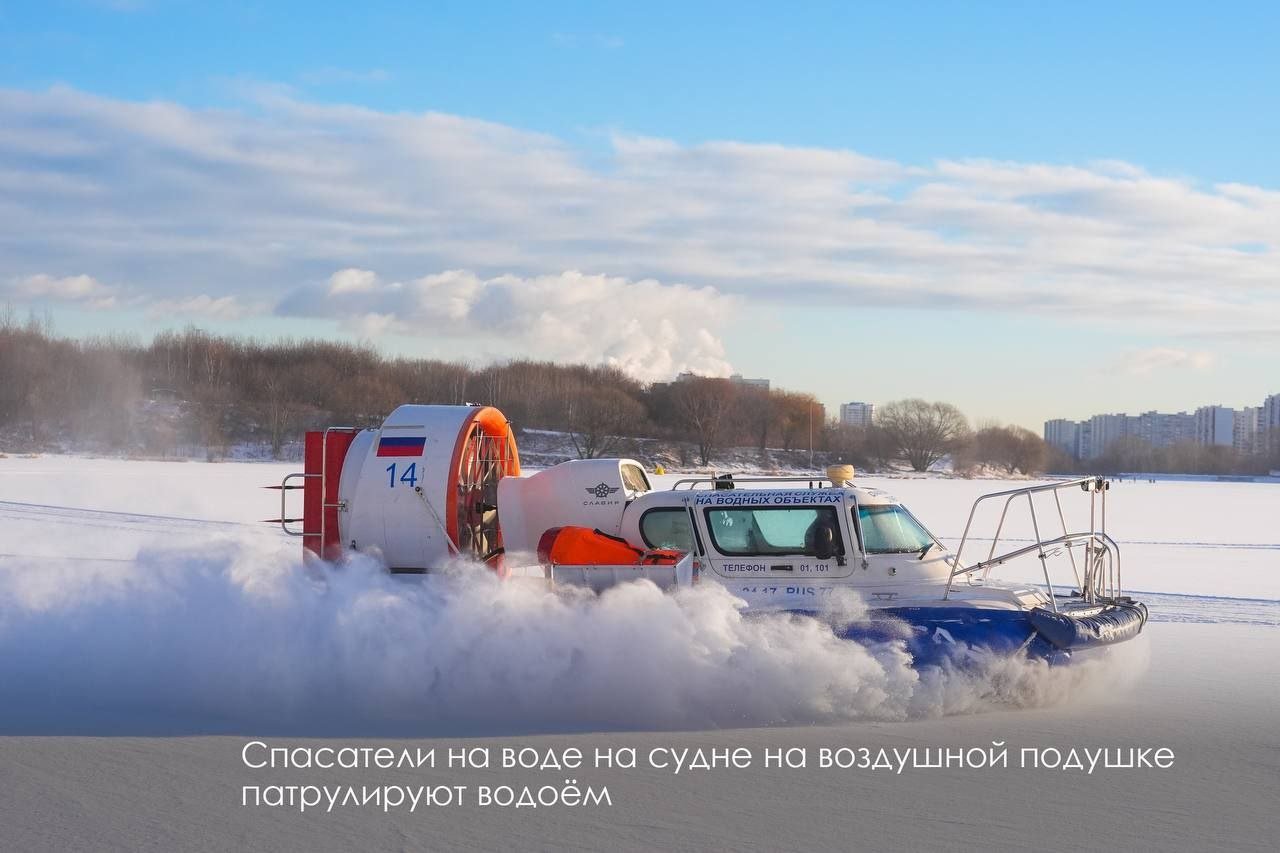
{"points": [[437, 483]]}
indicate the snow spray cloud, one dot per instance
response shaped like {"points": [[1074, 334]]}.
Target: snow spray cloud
{"points": [[237, 636]]}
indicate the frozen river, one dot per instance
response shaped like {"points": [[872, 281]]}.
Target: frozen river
{"points": [[149, 599]]}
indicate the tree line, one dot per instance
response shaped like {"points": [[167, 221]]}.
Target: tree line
{"points": [[1132, 454], [190, 389]]}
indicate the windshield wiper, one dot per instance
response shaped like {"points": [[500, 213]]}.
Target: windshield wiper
{"points": [[925, 550]]}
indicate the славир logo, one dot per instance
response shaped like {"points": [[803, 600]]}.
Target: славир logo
{"points": [[602, 491]]}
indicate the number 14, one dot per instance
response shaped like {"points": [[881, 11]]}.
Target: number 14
{"points": [[409, 475]]}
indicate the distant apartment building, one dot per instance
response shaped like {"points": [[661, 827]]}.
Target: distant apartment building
{"points": [[1270, 411], [1164, 430], [1064, 435], [737, 379], [1215, 426], [1269, 423], [1245, 432], [1105, 430], [1084, 438], [857, 414]]}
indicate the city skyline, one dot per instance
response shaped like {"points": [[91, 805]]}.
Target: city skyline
{"points": [[1247, 430]]}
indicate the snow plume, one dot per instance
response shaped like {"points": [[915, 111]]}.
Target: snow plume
{"points": [[649, 329], [236, 636]]}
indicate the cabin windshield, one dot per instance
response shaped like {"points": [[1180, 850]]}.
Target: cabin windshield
{"points": [[890, 529]]}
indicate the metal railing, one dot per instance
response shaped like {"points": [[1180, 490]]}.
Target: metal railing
{"points": [[1101, 580], [323, 476], [724, 483], [284, 520]]}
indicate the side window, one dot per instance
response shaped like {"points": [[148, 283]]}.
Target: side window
{"points": [[667, 527], [772, 530], [634, 479]]}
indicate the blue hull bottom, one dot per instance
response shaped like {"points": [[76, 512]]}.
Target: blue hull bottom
{"points": [[936, 635]]}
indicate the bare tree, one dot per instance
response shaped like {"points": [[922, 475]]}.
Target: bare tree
{"points": [[790, 416], [701, 406], [756, 414], [1126, 454], [1030, 452], [598, 418], [849, 444], [996, 445], [1270, 453], [278, 407], [1011, 448], [922, 432], [879, 446]]}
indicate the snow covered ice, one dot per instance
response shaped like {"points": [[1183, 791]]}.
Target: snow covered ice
{"points": [[186, 614], [148, 598]]}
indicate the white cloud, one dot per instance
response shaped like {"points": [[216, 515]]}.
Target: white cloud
{"points": [[182, 202], [1146, 361], [352, 281], [648, 329], [88, 292], [79, 289]]}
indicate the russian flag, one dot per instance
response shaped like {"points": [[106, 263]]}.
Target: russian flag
{"points": [[401, 446]]}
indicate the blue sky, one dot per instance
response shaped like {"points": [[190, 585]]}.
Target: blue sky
{"points": [[868, 201], [1178, 87]]}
